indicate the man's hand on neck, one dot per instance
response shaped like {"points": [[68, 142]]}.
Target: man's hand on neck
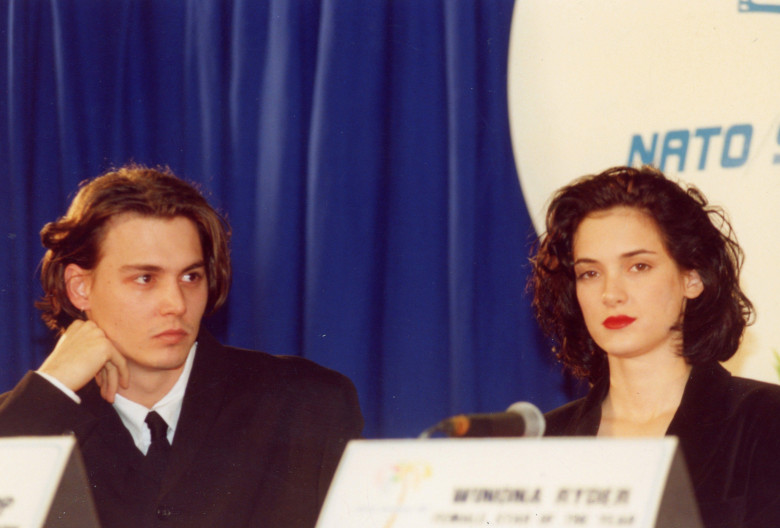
{"points": [[84, 352]]}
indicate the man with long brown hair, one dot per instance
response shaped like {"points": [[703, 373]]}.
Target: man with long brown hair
{"points": [[173, 426]]}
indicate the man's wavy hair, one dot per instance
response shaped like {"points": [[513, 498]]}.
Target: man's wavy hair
{"points": [[134, 189], [697, 236]]}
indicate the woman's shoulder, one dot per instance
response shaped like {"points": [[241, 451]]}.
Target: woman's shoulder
{"points": [[580, 417], [754, 395], [570, 419], [563, 413], [714, 395]]}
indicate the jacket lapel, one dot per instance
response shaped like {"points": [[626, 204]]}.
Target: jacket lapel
{"points": [[106, 425], [200, 408], [110, 447], [698, 422]]}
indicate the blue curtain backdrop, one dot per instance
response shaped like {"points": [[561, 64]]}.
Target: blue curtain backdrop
{"points": [[360, 149]]}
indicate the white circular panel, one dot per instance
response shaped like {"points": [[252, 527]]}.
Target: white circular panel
{"points": [[691, 87]]}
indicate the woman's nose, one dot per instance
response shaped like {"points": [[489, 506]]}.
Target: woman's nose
{"points": [[614, 292]]}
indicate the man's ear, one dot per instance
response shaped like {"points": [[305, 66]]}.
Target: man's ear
{"points": [[77, 286], [693, 284]]}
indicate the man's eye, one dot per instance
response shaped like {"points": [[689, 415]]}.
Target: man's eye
{"points": [[194, 276], [143, 279]]}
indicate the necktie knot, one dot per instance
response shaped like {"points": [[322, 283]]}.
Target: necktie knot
{"points": [[157, 456], [157, 426]]}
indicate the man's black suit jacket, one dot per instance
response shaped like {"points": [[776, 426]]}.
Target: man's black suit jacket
{"points": [[257, 442], [729, 433]]}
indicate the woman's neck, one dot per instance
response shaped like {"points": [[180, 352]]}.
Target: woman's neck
{"points": [[644, 394]]}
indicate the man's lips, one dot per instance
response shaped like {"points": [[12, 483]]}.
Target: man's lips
{"points": [[172, 336], [618, 321]]}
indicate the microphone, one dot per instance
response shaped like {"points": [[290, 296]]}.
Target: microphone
{"points": [[520, 419]]}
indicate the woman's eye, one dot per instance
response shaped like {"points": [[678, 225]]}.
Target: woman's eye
{"points": [[589, 274], [640, 266]]}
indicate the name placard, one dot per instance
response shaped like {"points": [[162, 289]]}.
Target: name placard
{"points": [[549, 482], [42, 482]]}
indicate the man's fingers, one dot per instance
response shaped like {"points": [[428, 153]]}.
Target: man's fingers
{"points": [[119, 362], [109, 388], [103, 384], [81, 353]]}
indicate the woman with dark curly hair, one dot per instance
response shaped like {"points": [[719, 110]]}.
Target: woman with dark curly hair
{"points": [[636, 279]]}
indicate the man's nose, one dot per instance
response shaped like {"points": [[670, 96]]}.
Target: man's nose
{"points": [[172, 301]]}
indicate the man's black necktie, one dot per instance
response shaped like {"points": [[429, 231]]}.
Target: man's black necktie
{"points": [[157, 456]]}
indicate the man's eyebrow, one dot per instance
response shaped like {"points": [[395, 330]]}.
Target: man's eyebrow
{"points": [[153, 268], [139, 267], [196, 265]]}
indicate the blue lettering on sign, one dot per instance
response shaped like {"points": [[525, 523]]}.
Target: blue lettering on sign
{"points": [[705, 134], [677, 144], [753, 6], [646, 156], [777, 156], [729, 161]]}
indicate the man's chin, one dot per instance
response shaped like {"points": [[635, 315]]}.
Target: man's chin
{"points": [[162, 359]]}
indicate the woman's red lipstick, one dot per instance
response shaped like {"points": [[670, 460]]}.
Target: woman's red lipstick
{"points": [[618, 321]]}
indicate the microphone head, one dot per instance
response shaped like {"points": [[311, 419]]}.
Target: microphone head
{"points": [[520, 419], [457, 426], [532, 416]]}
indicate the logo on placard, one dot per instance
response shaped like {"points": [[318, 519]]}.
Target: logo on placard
{"points": [[763, 7], [402, 478]]}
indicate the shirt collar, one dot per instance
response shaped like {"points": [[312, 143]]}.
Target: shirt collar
{"points": [[133, 415]]}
